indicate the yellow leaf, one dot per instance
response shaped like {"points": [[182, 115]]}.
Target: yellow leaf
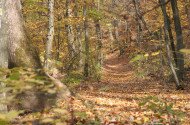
{"points": [[146, 55], [2, 116], [60, 123], [47, 120], [146, 119], [61, 111], [186, 51], [155, 53]]}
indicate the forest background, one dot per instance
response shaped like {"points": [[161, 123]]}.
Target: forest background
{"points": [[54, 51]]}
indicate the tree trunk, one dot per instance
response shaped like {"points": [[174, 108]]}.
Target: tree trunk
{"points": [[178, 85], [21, 50], [127, 33], [139, 15], [78, 35], [86, 42], [69, 33], [99, 56], [50, 36], [15, 47], [3, 51], [99, 43], [161, 53], [166, 24], [169, 30], [58, 40], [111, 38], [179, 37], [3, 37], [116, 36]]}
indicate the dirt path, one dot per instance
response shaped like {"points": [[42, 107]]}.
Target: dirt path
{"points": [[118, 94]]}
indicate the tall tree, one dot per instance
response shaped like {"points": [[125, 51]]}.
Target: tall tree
{"points": [[139, 27], [78, 34], [179, 37], [166, 31], [3, 49], [50, 36], [15, 46], [99, 42], [139, 15], [70, 36], [116, 23], [99, 54], [169, 30], [3, 37], [86, 42], [21, 50]]}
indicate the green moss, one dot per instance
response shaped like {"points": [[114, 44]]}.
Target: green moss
{"points": [[4, 122]]}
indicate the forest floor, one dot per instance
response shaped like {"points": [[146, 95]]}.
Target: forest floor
{"points": [[115, 99], [117, 96]]}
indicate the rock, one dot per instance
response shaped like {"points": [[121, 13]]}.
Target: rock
{"points": [[33, 101]]}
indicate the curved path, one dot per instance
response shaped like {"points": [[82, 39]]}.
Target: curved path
{"points": [[118, 93]]}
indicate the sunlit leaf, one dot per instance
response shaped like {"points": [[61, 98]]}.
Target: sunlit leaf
{"points": [[186, 51], [61, 111], [155, 53], [137, 58], [47, 120]]}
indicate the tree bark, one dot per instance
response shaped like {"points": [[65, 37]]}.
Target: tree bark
{"points": [[3, 51], [179, 37], [127, 33], [169, 30], [58, 40], [21, 50], [99, 43], [78, 36], [116, 36], [86, 42], [139, 15], [49, 44], [3, 37], [111, 38], [166, 24], [70, 35]]}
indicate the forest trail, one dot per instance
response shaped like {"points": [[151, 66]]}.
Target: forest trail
{"points": [[118, 94]]}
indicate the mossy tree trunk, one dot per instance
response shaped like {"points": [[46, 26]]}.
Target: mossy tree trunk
{"points": [[21, 51]]}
